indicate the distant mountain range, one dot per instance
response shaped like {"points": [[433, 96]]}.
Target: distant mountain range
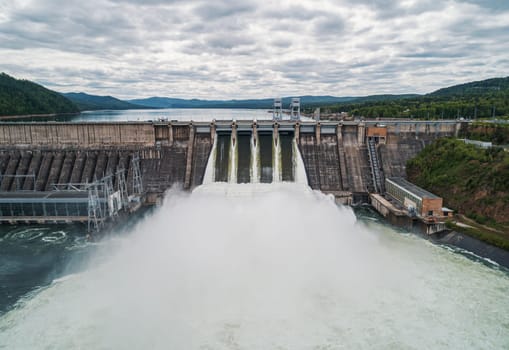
{"points": [[86, 102], [19, 97], [167, 102], [266, 103]]}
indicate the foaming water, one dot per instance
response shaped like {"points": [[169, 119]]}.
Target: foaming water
{"points": [[264, 267], [32, 256]]}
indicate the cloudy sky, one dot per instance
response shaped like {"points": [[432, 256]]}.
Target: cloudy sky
{"points": [[253, 48]]}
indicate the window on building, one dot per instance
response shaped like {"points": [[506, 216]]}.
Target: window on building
{"points": [[430, 213]]}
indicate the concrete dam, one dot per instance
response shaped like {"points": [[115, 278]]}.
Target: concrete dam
{"points": [[62, 172]]}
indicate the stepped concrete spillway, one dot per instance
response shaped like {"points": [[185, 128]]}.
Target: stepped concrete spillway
{"points": [[348, 159]]}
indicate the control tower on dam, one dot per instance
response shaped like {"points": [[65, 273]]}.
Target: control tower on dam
{"points": [[139, 161]]}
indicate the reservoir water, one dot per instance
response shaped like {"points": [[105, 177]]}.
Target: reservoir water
{"points": [[195, 114], [247, 266]]}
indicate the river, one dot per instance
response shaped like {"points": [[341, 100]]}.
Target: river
{"points": [[247, 267]]}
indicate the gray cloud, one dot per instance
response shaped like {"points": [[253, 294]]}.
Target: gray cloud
{"points": [[217, 10], [497, 5], [329, 26], [229, 42], [392, 9], [232, 49], [281, 43], [294, 12]]}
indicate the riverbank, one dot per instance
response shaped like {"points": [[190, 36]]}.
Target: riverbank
{"points": [[452, 236], [473, 245], [498, 238]]}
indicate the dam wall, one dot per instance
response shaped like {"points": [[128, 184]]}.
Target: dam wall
{"points": [[42, 170], [406, 139], [35, 156], [60, 134]]}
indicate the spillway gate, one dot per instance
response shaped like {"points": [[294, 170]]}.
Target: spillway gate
{"points": [[253, 154]]}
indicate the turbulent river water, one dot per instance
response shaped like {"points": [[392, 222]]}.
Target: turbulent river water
{"points": [[265, 266]]}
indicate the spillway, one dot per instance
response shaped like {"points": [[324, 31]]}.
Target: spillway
{"points": [[222, 153], [266, 155], [248, 156], [287, 156], [244, 163]]}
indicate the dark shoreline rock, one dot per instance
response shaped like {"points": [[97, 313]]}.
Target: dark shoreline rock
{"points": [[473, 245]]}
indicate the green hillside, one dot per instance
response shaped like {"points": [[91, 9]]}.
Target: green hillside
{"points": [[86, 102], [21, 97], [483, 87], [479, 99], [497, 133], [472, 181]]}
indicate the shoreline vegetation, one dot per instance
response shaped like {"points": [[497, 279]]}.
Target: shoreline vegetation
{"points": [[497, 133], [485, 234], [472, 181]]}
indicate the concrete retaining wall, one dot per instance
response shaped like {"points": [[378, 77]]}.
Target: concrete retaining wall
{"points": [[77, 134]]}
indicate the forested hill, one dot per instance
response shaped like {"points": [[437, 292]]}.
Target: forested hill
{"points": [[22, 97], [480, 99], [477, 88], [473, 180], [86, 102]]}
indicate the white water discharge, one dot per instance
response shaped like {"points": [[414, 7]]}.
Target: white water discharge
{"points": [[299, 169], [210, 170], [232, 165], [255, 160], [276, 160], [269, 266]]}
